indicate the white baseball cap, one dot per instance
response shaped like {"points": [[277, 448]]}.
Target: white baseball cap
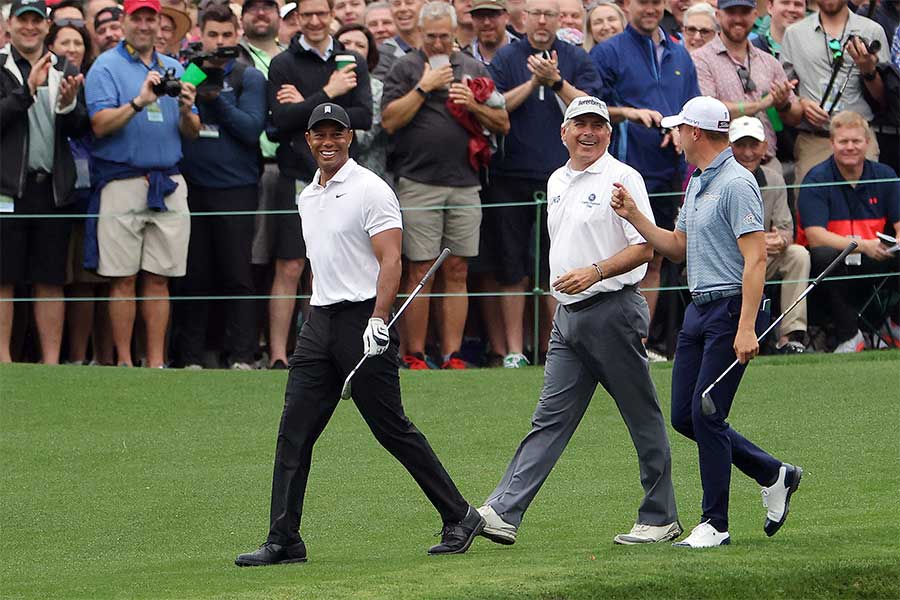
{"points": [[703, 112], [287, 9], [746, 127], [587, 105]]}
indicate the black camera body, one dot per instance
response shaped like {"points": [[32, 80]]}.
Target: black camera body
{"points": [[225, 52], [169, 85]]}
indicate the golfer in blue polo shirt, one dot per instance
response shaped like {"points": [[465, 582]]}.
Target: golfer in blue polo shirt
{"points": [[720, 232]]}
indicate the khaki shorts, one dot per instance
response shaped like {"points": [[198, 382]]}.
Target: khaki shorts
{"points": [[435, 223], [133, 238]]}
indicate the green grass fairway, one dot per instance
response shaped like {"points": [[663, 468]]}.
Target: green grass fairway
{"points": [[126, 483]]}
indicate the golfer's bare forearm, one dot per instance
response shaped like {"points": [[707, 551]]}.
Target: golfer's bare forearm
{"points": [[753, 248], [626, 260], [387, 251]]}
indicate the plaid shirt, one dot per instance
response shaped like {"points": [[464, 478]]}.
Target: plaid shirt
{"points": [[718, 77]]}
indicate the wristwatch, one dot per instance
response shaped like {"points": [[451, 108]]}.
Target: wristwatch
{"points": [[422, 92], [134, 106], [558, 85]]}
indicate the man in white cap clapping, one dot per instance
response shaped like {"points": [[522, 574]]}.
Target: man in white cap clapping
{"points": [[596, 261]]}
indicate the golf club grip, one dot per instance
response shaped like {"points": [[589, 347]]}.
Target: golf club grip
{"points": [[437, 265], [850, 248]]}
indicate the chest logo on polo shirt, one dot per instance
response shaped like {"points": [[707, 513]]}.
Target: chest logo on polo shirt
{"points": [[555, 200], [590, 201], [873, 200]]}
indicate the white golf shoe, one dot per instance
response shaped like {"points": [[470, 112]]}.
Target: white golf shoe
{"points": [[496, 529], [777, 497], [649, 534], [704, 535]]}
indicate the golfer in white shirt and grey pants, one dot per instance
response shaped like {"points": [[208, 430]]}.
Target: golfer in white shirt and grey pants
{"points": [[596, 262]]}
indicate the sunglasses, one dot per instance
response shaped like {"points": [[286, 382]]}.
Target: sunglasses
{"points": [[747, 83], [79, 23]]}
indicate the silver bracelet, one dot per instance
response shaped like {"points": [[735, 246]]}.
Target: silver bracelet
{"points": [[599, 270]]}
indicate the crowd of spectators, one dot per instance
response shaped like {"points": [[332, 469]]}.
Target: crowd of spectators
{"points": [[155, 148]]}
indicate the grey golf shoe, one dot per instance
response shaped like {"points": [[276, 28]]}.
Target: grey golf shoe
{"points": [[650, 534], [495, 528]]}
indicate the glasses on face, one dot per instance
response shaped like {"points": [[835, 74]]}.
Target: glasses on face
{"points": [[547, 14], [747, 83], [703, 32], [321, 14]]}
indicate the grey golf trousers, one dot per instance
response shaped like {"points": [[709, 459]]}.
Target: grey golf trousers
{"points": [[598, 344]]}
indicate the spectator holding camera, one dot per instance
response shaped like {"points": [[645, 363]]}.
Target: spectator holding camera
{"points": [[139, 114], [39, 108], [829, 51], [304, 76], [222, 171]]}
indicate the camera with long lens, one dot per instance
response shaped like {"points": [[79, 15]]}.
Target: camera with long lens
{"points": [[169, 85], [215, 77], [871, 47], [198, 58]]}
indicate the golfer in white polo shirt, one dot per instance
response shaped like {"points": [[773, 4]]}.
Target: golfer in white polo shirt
{"points": [[353, 232], [596, 261]]}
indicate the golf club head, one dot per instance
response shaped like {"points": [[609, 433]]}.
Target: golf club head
{"points": [[707, 406], [346, 391]]}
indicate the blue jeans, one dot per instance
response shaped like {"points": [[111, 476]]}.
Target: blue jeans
{"points": [[705, 349]]}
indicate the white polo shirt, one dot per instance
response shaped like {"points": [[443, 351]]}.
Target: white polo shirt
{"points": [[583, 227], [338, 221]]}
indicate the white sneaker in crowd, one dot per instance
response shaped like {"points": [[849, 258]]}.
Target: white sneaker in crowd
{"points": [[855, 344], [515, 360], [241, 366], [495, 528], [704, 535], [653, 356]]}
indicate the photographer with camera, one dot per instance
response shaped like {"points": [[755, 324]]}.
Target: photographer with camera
{"points": [[222, 169], [140, 112], [833, 54]]}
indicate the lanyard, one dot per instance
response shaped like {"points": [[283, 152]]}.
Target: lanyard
{"points": [[832, 53]]}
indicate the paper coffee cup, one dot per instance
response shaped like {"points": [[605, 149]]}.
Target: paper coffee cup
{"points": [[342, 60]]}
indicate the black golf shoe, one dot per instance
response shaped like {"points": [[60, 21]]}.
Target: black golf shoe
{"points": [[457, 537], [777, 497], [273, 554]]}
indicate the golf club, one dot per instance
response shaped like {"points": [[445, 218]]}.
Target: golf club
{"points": [[346, 391], [707, 406]]}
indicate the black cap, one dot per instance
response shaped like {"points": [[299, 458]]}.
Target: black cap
{"points": [[107, 15], [20, 7], [328, 111], [248, 3]]}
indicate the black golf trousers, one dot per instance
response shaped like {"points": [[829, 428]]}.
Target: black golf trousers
{"points": [[329, 346]]}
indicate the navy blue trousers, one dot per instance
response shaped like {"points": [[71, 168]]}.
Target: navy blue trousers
{"points": [[705, 349]]}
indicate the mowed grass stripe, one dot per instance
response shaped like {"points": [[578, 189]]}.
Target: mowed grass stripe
{"points": [[145, 484]]}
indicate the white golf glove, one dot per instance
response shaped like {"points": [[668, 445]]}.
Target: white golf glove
{"points": [[376, 338]]}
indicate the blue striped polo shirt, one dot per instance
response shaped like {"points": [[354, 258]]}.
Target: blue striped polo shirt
{"points": [[721, 204]]}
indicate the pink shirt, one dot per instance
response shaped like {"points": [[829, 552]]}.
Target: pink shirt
{"points": [[718, 77]]}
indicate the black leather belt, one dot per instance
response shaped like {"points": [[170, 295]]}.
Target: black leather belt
{"points": [[596, 298], [345, 305], [701, 298]]}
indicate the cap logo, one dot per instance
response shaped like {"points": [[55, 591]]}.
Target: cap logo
{"points": [[327, 109], [723, 124]]}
